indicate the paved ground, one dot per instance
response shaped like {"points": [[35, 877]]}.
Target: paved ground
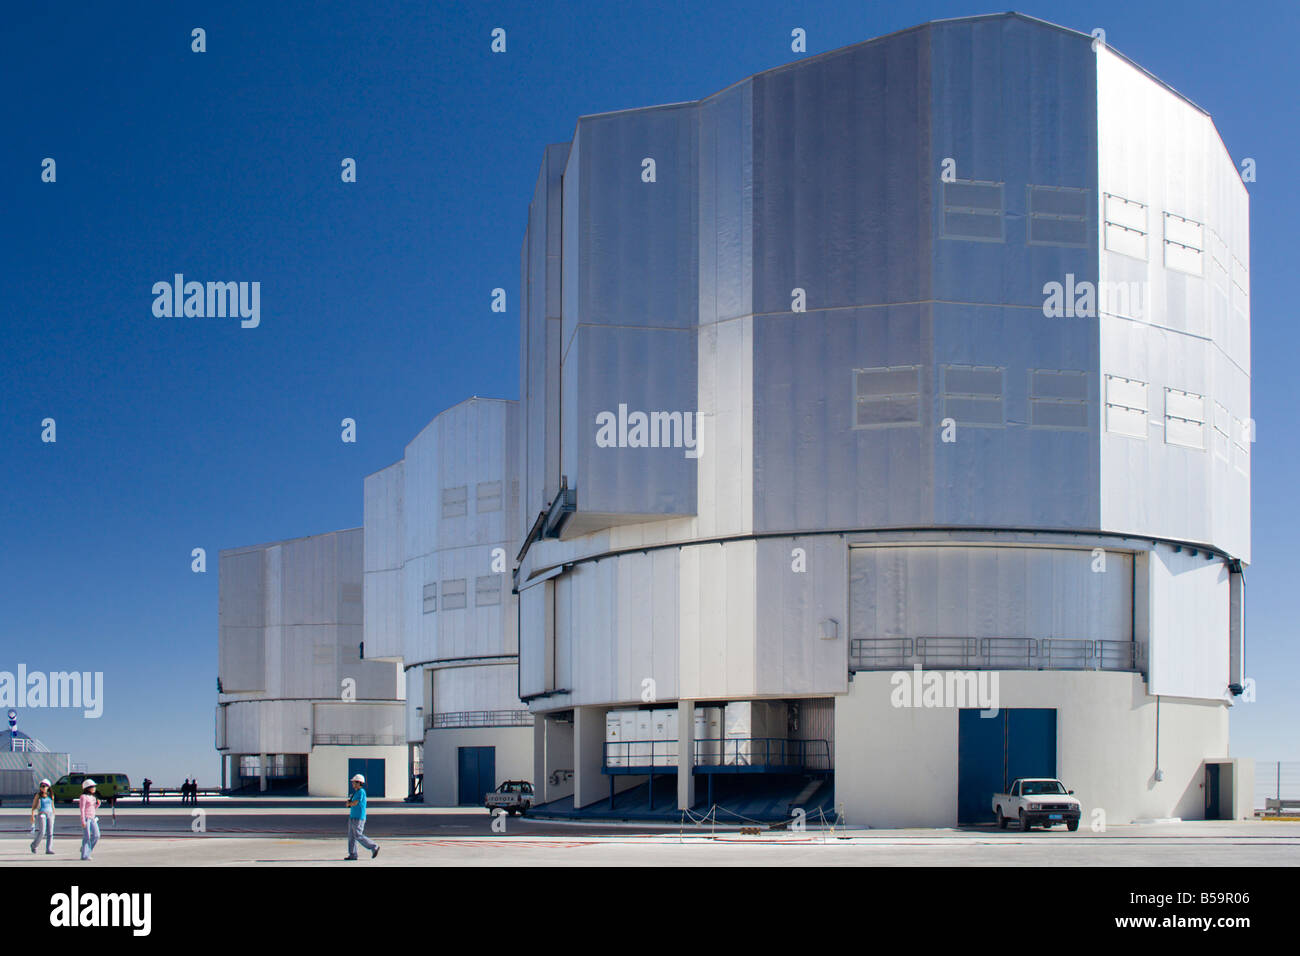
{"points": [[307, 832]]}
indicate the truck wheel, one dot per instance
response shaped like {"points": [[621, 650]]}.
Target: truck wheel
{"points": [[1002, 821], [1073, 825], [1024, 822]]}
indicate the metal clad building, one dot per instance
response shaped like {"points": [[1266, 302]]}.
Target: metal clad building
{"points": [[927, 355], [440, 544], [297, 703]]}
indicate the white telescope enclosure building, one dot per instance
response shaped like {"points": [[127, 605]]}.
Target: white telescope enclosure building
{"points": [[440, 545], [920, 365], [297, 704]]}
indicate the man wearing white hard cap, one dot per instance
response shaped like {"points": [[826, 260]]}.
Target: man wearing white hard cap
{"points": [[357, 820]]}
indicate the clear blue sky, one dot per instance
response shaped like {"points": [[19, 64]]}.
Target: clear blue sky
{"points": [[176, 434]]}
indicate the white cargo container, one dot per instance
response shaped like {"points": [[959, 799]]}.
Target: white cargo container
{"points": [[750, 725], [620, 727], [665, 736], [708, 736], [643, 736]]}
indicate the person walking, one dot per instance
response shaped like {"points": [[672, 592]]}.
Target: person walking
{"points": [[357, 820], [43, 817], [89, 822]]}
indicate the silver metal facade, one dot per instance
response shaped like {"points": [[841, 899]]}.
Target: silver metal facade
{"points": [[290, 665], [440, 532], [870, 348]]}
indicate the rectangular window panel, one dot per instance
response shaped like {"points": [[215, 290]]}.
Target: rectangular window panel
{"points": [[887, 396], [453, 594], [1058, 398], [973, 210], [1222, 431], [1241, 445], [1126, 213], [973, 394], [1184, 244], [1058, 216], [488, 497], [972, 380], [1059, 384], [430, 598], [888, 411], [1046, 414], [1185, 405], [487, 590], [455, 501], [973, 411], [1126, 406]]}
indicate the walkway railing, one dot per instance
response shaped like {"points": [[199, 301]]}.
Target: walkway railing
{"points": [[720, 754], [996, 653], [479, 718]]}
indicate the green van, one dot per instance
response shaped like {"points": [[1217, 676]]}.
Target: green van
{"points": [[108, 786]]}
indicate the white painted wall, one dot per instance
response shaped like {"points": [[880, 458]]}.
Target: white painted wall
{"points": [[327, 771], [897, 767], [514, 758]]}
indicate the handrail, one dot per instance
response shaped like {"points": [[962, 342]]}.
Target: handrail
{"points": [[996, 653]]}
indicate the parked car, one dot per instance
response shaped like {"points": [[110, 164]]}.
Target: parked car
{"points": [[108, 786], [1037, 800], [513, 796]]}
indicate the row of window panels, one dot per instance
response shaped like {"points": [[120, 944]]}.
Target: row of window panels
{"points": [[1058, 398], [487, 498], [1185, 242], [487, 593], [1058, 216], [1186, 420], [972, 395]]}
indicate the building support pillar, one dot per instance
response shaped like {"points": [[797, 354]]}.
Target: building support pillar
{"points": [[685, 754]]}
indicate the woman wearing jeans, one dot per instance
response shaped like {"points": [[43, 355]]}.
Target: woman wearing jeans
{"points": [[89, 825], [43, 807]]}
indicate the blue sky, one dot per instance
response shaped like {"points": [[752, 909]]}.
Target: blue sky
{"points": [[176, 434]]}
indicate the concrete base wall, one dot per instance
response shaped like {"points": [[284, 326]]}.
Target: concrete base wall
{"points": [[327, 770], [514, 758], [897, 766]]}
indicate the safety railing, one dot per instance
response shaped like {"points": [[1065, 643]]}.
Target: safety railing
{"points": [[479, 718], [768, 753], [996, 653], [374, 740]]}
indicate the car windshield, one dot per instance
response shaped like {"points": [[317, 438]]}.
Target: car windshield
{"points": [[1041, 786]]}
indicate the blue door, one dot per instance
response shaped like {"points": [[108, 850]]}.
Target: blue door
{"points": [[993, 751], [372, 768], [476, 774], [981, 745]]}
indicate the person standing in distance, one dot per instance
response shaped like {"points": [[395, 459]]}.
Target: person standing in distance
{"points": [[357, 820], [89, 822], [43, 817]]}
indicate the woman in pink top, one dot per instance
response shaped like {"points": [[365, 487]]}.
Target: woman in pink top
{"points": [[89, 825]]}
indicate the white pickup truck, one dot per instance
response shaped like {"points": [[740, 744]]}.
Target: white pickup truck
{"points": [[1037, 800], [513, 796]]}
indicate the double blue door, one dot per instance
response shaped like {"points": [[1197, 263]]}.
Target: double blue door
{"points": [[372, 768], [476, 774], [993, 751]]}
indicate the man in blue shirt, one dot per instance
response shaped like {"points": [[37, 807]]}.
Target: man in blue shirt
{"points": [[357, 820]]}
